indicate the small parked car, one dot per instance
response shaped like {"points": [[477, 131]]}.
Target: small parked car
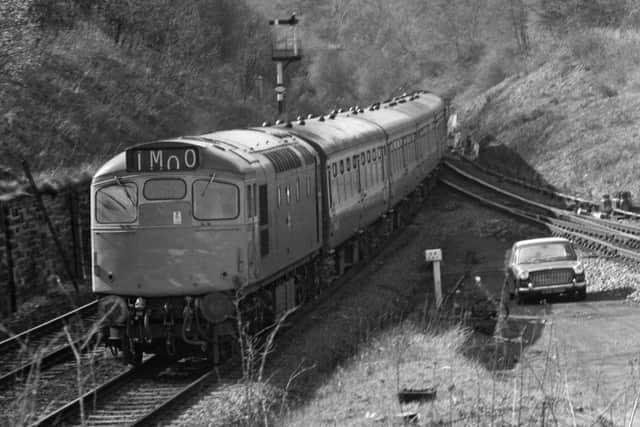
{"points": [[544, 266]]}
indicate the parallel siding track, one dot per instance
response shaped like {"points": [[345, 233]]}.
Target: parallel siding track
{"points": [[604, 236], [45, 344]]}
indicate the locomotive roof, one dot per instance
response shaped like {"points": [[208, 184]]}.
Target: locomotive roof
{"points": [[226, 151]]}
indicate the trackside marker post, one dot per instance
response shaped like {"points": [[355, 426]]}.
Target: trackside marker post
{"points": [[435, 256]]}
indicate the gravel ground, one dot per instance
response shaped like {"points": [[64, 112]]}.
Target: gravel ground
{"points": [[612, 277]]}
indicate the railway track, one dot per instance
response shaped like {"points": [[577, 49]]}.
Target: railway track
{"points": [[538, 191], [604, 236], [135, 397], [45, 345]]}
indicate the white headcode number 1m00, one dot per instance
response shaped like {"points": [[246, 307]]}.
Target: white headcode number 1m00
{"points": [[162, 159]]}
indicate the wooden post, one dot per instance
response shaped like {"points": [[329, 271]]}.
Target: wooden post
{"points": [[4, 222], [435, 256], [52, 229], [73, 221]]}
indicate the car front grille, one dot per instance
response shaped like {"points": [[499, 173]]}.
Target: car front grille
{"points": [[551, 277]]}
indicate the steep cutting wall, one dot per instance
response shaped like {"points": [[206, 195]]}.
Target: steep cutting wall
{"points": [[29, 258]]}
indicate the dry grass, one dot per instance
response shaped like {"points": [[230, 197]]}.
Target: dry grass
{"points": [[574, 117], [543, 388]]}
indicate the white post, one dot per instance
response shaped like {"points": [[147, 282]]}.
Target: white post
{"points": [[437, 283], [435, 256]]}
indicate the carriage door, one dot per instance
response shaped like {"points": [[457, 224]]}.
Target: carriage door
{"points": [[263, 221]]}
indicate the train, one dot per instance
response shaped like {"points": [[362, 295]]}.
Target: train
{"points": [[188, 232]]}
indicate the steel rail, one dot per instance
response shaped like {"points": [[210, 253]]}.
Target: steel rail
{"points": [[556, 226], [631, 241], [17, 360], [153, 414], [72, 409], [22, 335], [549, 191]]}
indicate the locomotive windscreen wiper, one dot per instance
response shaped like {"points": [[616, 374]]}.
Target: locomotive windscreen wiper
{"points": [[204, 190], [126, 191]]}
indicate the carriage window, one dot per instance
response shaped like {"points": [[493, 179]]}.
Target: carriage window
{"points": [[164, 189], [348, 164], [341, 166], [368, 156], [279, 195], [117, 203], [362, 157], [308, 186], [287, 192], [297, 189], [373, 154], [215, 200], [355, 161], [335, 169]]}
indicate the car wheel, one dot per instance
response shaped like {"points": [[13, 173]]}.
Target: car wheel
{"points": [[520, 299], [581, 294]]}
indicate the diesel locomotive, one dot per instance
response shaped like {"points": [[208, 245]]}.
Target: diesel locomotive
{"points": [[187, 231]]}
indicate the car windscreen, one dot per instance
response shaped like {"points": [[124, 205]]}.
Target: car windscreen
{"points": [[544, 252], [117, 203]]}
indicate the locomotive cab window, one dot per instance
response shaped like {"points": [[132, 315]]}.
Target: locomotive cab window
{"points": [[117, 203], [164, 189], [215, 200]]}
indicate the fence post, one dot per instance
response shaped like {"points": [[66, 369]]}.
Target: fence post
{"points": [[73, 220], [52, 229], [4, 222]]}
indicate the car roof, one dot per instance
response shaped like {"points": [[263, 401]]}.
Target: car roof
{"points": [[541, 241]]}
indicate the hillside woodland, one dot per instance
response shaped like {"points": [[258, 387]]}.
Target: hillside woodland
{"points": [[551, 81]]}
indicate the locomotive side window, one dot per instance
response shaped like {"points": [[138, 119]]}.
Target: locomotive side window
{"points": [[164, 189], [263, 207], [117, 203], [215, 200]]}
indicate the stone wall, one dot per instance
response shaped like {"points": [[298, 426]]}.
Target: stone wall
{"points": [[26, 244]]}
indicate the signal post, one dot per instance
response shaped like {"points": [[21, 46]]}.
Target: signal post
{"points": [[284, 50]]}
